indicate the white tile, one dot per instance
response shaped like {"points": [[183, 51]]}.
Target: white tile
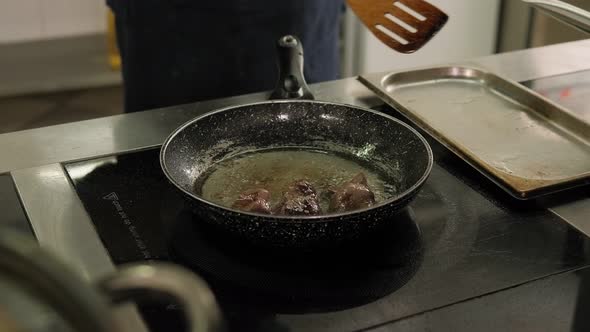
{"points": [[72, 17], [20, 20]]}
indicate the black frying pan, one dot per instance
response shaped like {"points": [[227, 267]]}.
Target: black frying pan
{"points": [[375, 139]]}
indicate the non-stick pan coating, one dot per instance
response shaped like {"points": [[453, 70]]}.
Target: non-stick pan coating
{"points": [[380, 140]]}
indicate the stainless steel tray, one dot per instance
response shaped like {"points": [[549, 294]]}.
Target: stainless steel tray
{"points": [[525, 143]]}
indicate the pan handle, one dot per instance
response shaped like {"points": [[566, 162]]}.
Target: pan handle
{"points": [[291, 84]]}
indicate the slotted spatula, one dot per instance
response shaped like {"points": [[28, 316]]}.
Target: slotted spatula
{"points": [[404, 25]]}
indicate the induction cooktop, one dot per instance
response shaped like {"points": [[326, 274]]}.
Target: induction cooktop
{"points": [[461, 238]]}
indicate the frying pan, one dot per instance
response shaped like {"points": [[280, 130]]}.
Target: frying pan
{"points": [[293, 119]]}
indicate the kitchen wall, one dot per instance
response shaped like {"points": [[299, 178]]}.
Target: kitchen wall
{"points": [[26, 20]]}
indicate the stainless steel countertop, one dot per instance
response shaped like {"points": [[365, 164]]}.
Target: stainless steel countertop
{"points": [[120, 133], [61, 223]]}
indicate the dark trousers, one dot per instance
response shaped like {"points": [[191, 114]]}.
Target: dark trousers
{"points": [[181, 51]]}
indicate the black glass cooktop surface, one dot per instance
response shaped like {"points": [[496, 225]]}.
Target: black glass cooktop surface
{"points": [[460, 239]]}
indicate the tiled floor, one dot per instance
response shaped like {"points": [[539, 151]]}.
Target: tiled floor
{"points": [[27, 112]]}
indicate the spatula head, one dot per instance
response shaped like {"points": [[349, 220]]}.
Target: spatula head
{"points": [[404, 25]]}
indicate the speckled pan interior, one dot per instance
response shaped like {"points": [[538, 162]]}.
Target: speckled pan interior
{"points": [[385, 142]]}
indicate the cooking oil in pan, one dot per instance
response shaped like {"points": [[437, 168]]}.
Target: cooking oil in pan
{"points": [[276, 169]]}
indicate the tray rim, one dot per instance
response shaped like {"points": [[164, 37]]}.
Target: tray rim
{"points": [[377, 84]]}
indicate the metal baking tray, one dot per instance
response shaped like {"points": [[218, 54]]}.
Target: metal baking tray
{"points": [[525, 143]]}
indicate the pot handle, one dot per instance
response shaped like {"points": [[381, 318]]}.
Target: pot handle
{"points": [[166, 281], [291, 84]]}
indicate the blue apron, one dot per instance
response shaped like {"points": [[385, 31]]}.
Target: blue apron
{"points": [[181, 51]]}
